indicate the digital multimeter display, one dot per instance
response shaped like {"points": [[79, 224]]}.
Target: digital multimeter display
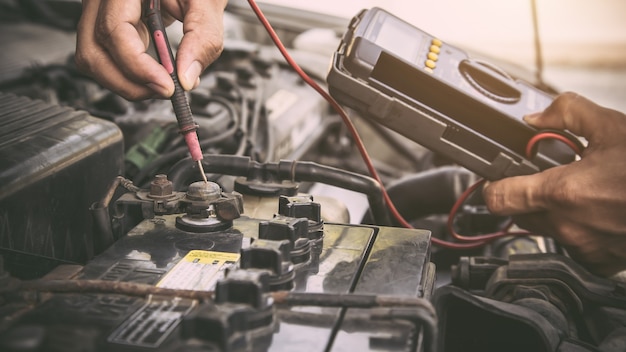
{"points": [[395, 36]]}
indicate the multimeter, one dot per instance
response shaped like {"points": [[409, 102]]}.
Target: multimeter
{"points": [[438, 96]]}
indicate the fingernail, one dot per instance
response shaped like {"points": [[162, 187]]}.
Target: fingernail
{"points": [[532, 117], [191, 75], [162, 91]]}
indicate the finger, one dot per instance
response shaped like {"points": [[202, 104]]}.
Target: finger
{"points": [[202, 39], [106, 72], [573, 112], [117, 29], [522, 194], [92, 59]]}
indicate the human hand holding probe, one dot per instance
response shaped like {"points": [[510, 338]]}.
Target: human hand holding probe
{"points": [[112, 40], [182, 110], [111, 47]]}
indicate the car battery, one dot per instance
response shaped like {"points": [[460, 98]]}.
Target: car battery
{"points": [[242, 261], [54, 163]]}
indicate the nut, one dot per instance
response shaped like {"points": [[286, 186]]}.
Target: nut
{"points": [[161, 186]]}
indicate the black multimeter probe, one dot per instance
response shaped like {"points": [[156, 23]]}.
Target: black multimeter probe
{"points": [[186, 125]]}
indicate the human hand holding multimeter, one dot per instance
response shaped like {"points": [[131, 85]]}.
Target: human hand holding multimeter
{"points": [[436, 95]]}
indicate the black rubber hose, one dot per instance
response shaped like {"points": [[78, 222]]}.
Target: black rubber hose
{"points": [[184, 172], [430, 192], [313, 172], [181, 152], [177, 154], [243, 127]]}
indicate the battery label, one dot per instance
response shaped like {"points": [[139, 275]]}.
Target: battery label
{"points": [[199, 270], [152, 323]]}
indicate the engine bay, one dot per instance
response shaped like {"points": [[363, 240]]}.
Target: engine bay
{"points": [[110, 241]]}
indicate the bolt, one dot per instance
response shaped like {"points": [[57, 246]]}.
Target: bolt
{"points": [[161, 186]]}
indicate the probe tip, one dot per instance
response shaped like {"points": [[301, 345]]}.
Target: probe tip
{"points": [[202, 171]]}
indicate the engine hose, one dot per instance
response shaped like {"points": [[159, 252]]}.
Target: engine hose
{"points": [[313, 172], [430, 192], [184, 172], [181, 152]]}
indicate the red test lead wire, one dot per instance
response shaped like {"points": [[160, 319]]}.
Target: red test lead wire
{"points": [[355, 135], [531, 148]]}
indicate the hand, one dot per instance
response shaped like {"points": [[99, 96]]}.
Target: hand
{"points": [[582, 204], [112, 41]]}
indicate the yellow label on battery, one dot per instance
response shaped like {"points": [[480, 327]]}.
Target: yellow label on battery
{"points": [[199, 270]]}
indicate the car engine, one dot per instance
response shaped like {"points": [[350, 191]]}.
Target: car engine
{"points": [[110, 241]]}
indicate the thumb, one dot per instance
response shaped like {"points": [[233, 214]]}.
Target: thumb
{"points": [[570, 111], [202, 40], [520, 194]]}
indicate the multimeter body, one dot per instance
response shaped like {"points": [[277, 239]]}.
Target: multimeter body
{"points": [[438, 96]]}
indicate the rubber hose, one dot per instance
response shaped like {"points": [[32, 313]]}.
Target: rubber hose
{"points": [[430, 192], [184, 172]]}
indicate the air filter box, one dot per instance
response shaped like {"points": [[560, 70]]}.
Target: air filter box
{"points": [[54, 163]]}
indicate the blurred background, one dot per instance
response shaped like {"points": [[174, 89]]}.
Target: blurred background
{"points": [[582, 43]]}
